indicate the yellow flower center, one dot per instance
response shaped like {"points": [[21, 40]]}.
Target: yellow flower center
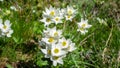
{"points": [[68, 16], [57, 19], [49, 51], [56, 50], [48, 20], [51, 40], [64, 43], [4, 26], [56, 34], [82, 29], [55, 57], [69, 12], [52, 13], [83, 25]]}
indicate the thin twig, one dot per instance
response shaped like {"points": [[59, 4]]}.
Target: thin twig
{"points": [[105, 49], [86, 38], [109, 36]]}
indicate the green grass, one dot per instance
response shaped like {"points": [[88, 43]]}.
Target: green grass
{"points": [[99, 48]]}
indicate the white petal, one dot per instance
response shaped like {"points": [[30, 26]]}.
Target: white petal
{"points": [[43, 20], [89, 26], [54, 63], [8, 35], [1, 25], [72, 47], [47, 56], [44, 51], [60, 61], [44, 39], [10, 31], [3, 33], [7, 22], [82, 19], [63, 52]]}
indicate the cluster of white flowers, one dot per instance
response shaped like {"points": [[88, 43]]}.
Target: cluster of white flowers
{"points": [[56, 15], [5, 28], [56, 45], [83, 26]]}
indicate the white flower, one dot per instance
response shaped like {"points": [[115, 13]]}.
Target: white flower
{"points": [[71, 10], [8, 33], [47, 20], [46, 32], [62, 12], [53, 32], [5, 29], [83, 26], [64, 42], [51, 15], [57, 19], [50, 12], [69, 17], [83, 31], [70, 13], [49, 40], [47, 51], [71, 47], [6, 26], [56, 59], [56, 50]]}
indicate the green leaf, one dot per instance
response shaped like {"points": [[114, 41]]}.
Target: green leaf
{"points": [[9, 66]]}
